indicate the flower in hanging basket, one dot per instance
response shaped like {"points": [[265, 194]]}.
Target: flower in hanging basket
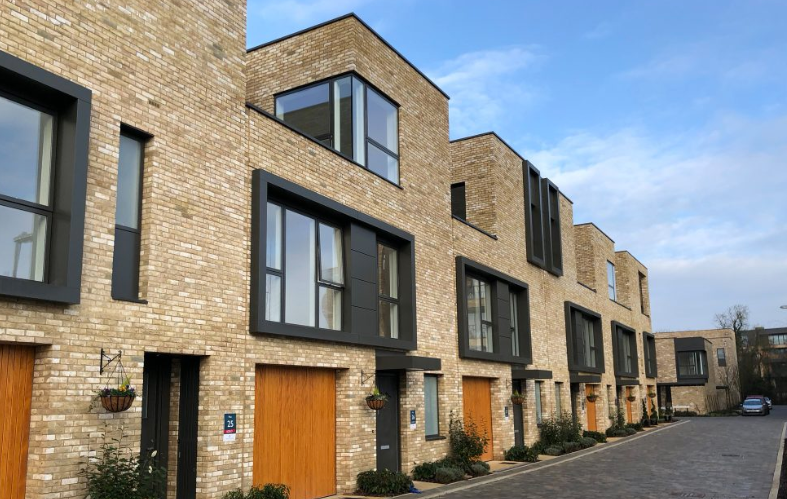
{"points": [[376, 400], [631, 398], [652, 395], [118, 399], [592, 397], [517, 398]]}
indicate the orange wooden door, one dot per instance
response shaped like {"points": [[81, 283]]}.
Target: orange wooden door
{"points": [[295, 430], [16, 390], [477, 399], [590, 409], [628, 404]]}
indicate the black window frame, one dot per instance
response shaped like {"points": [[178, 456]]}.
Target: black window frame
{"points": [[128, 240], [459, 200], [500, 285], [361, 234], [543, 239], [620, 334], [367, 140], [643, 283], [70, 105], [702, 362], [381, 241], [572, 312], [696, 344], [434, 436], [614, 287], [553, 242], [649, 351]]}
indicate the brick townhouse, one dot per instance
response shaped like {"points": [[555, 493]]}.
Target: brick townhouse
{"points": [[270, 233]]}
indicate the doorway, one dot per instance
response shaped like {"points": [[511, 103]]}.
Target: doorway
{"points": [[629, 414], [157, 381], [388, 423], [16, 392], [590, 407], [477, 397]]}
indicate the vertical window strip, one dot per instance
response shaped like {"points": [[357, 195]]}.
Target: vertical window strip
{"points": [[512, 298], [431, 409], [539, 414]]}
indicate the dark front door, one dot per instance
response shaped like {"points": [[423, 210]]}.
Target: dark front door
{"points": [[388, 423], [155, 408], [574, 395], [187, 428], [519, 425]]}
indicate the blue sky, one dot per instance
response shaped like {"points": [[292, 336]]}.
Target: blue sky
{"points": [[665, 122]]}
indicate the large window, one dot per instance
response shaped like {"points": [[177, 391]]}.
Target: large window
{"points": [[542, 221], [431, 412], [479, 314], [777, 340], [625, 350], [44, 131], [584, 339], [611, 285], [349, 116], [588, 341], [26, 207], [305, 272], [691, 363], [388, 283]]}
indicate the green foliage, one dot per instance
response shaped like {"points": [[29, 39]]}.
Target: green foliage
{"points": [[467, 444], [117, 473], [569, 447], [425, 471], [644, 411], [595, 435], [382, 483], [269, 491], [587, 442], [522, 454], [635, 426], [620, 433], [448, 474], [559, 429], [553, 450], [630, 431], [479, 469], [234, 494], [620, 419]]}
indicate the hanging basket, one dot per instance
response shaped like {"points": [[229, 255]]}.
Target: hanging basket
{"points": [[592, 397], [517, 399], [631, 398], [117, 403], [375, 403], [652, 395]]}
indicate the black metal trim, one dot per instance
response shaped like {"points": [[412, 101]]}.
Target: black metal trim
{"points": [[390, 361], [553, 241], [649, 340], [598, 335], [626, 381], [534, 223], [472, 226], [618, 329], [575, 377], [517, 373]]}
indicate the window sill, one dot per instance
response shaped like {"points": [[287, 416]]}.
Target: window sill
{"points": [[131, 300], [473, 226], [587, 287], [430, 438], [624, 306]]}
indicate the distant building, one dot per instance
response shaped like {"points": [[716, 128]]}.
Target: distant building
{"points": [[772, 346]]}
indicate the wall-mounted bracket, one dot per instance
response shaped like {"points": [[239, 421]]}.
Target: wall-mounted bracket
{"points": [[106, 360]]}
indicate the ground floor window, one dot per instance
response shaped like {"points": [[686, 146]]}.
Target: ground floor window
{"points": [[558, 394], [431, 412], [539, 414]]}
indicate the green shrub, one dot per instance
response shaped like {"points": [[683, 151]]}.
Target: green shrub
{"points": [[234, 494], [425, 471], [587, 442], [479, 469], [569, 447], [610, 432], [635, 426], [687, 414], [559, 429], [448, 474], [620, 433], [553, 451], [382, 483], [595, 435], [269, 491], [466, 443], [630, 431], [116, 472], [522, 454]]}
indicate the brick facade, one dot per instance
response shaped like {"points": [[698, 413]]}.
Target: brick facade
{"points": [[180, 72]]}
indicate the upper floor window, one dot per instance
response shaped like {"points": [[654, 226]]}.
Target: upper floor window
{"points": [[44, 130], [649, 349], [479, 315], [514, 313], [625, 350], [305, 275], [543, 242], [692, 363], [458, 201], [588, 352], [643, 293], [721, 356], [611, 286], [777, 339], [349, 116], [584, 339], [388, 283]]}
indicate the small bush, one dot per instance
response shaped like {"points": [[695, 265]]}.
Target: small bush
{"points": [[448, 475], [382, 483], [234, 494], [479, 469], [621, 433], [269, 491], [587, 442], [630, 431], [467, 444], [522, 454], [635, 426], [595, 435], [559, 429], [553, 451], [425, 471], [569, 447], [610, 432]]}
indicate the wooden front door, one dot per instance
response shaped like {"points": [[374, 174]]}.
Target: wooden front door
{"points": [[16, 390], [629, 392], [477, 398], [295, 430], [590, 408]]}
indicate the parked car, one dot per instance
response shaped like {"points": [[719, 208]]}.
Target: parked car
{"points": [[762, 400], [754, 406], [770, 404]]}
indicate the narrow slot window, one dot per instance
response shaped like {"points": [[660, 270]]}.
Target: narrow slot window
{"points": [[388, 291], [458, 201], [431, 412]]}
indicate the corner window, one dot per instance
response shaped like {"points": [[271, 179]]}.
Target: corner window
{"points": [[305, 273], [539, 412], [721, 356], [349, 116], [128, 207], [479, 314], [388, 284], [611, 287], [431, 413], [691, 364], [458, 201], [44, 130]]}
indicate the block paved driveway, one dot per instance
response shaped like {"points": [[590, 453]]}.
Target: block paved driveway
{"points": [[700, 457]]}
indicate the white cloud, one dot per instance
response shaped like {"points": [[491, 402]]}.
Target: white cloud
{"points": [[485, 85], [705, 210]]}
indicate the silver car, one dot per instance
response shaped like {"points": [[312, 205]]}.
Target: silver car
{"points": [[753, 407]]}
